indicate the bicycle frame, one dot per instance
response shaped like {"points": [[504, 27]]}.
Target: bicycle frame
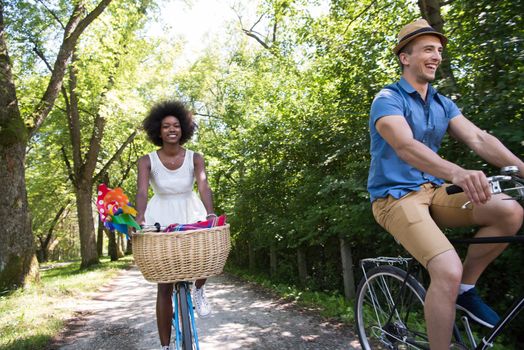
{"points": [[181, 294], [487, 341]]}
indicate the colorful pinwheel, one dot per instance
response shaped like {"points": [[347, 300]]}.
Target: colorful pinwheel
{"points": [[115, 209]]}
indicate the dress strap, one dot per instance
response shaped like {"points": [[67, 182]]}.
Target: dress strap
{"points": [[153, 159], [190, 159]]}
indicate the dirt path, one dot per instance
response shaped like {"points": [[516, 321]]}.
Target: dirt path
{"points": [[122, 316]]}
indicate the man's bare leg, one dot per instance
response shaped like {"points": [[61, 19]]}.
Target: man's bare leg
{"points": [[498, 217], [445, 271]]}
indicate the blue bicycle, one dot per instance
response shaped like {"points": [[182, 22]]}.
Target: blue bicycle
{"points": [[183, 321], [181, 257]]}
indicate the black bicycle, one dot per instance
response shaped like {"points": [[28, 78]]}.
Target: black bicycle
{"points": [[389, 306]]}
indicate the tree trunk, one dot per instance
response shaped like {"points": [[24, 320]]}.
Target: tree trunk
{"points": [[100, 238], [302, 265], [17, 248], [45, 242], [120, 246], [129, 247], [43, 251], [18, 262], [111, 245], [347, 269], [86, 225], [272, 260], [252, 256]]}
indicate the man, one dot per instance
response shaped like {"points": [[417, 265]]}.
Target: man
{"points": [[408, 120]]}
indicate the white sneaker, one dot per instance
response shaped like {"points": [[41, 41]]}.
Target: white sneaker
{"points": [[202, 306]]}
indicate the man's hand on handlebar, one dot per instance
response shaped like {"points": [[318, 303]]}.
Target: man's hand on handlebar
{"points": [[474, 183], [509, 175]]}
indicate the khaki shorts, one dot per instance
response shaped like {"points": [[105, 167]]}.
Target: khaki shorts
{"points": [[416, 219]]}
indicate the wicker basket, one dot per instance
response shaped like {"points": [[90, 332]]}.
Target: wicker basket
{"points": [[181, 256]]}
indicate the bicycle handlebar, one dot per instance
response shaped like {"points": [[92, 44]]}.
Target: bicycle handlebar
{"points": [[493, 181], [485, 240], [508, 174]]}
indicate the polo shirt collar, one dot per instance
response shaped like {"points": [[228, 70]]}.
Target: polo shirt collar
{"points": [[410, 89]]}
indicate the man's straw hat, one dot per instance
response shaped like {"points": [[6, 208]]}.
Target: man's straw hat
{"points": [[415, 29]]}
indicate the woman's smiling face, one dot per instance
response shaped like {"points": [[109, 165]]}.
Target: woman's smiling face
{"points": [[170, 130]]}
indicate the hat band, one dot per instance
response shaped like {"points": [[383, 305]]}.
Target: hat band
{"points": [[418, 31]]}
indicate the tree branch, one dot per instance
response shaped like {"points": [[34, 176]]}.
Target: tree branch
{"points": [[100, 121], [45, 243], [209, 115], [257, 21], [250, 32], [74, 119], [40, 54], [74, 28], [70, 172], [52, 14], [254, 36], [126, 171], [115, 156], [357, 16]]}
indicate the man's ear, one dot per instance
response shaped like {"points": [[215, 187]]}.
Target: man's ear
{"points": [[403, 58]]}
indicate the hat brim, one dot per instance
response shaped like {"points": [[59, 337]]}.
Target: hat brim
{"points": [[406, 41]]}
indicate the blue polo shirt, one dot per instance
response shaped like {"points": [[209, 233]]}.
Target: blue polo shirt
{"points": [[388, 174]]}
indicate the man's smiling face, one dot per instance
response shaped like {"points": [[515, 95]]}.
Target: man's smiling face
{"points": [[423, 58]]}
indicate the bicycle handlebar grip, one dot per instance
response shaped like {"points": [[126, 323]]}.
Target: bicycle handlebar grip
{"points": [[453, 189]]}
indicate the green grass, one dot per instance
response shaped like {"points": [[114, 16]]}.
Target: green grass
{"points": [[329, 305], [31, 317]]}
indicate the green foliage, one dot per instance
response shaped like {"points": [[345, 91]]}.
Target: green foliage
{"points": [[297, 118], [112, 82], [285, 128], [487, 54]]}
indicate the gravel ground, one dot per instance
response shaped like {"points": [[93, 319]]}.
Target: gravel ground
{"points": [[122, 316]]}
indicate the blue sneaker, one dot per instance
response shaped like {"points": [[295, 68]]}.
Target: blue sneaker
{"points": [[471, 303]]}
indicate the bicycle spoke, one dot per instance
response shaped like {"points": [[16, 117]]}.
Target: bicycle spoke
{"points": [[390, 311]]}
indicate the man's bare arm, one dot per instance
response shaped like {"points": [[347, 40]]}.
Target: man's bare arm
{"points": [[487, 146], [397, 133]]}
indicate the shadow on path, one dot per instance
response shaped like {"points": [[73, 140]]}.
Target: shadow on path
{"points": [[122, 316]]}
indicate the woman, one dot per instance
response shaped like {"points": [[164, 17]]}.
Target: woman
{"points": [[171, 170]]}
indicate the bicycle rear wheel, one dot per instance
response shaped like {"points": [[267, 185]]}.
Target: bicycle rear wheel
{"points": [[389, 310], [183, 294]]}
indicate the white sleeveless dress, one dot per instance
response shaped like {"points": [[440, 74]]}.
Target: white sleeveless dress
{"points": [[174, 201]]}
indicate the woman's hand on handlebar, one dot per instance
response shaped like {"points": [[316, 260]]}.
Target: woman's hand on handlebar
{"points": [[140, 221], [474, 183]]}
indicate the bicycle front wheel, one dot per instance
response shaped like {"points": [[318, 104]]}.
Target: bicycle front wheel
{"points": [[183, 295], [389, 310]]}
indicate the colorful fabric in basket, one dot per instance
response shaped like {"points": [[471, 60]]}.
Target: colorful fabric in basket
{"points": [[216, 221]]}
